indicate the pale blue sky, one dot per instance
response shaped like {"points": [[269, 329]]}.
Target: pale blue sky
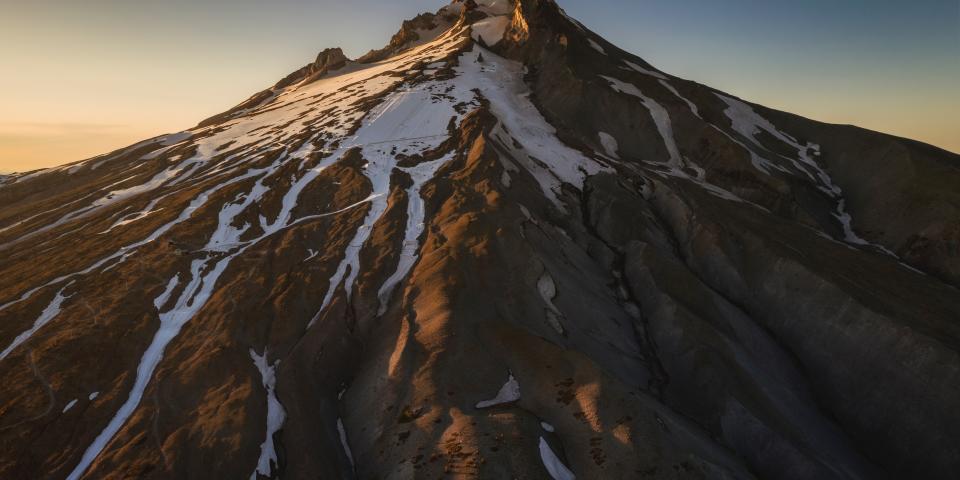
{"points": [[84, 77]]}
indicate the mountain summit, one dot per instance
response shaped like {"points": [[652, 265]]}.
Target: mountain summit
{"points": [[499, 247]]}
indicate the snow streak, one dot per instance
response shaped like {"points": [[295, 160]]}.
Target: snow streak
{"points": [[509, 393], [556, 468], [275, 414]]}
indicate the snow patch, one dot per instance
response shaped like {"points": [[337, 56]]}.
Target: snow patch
{"points": [[596, 46], [528, 216], [678, 165], [150, 209], [610, 144], [547, 427], [93, 396], [748, 123], [343, 441], [69, 405], [275, 414], [509, 393], [164, 297], [193, 298], [227, 234], [548, 291], [660, 117], [645, 71], [556, 468], [693, 106], [48, 314]]}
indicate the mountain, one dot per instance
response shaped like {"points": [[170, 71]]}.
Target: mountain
{"points": [[500, 247]]}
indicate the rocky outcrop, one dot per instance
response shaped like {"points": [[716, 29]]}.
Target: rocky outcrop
{"points": [[328, 60], [410, 32]]}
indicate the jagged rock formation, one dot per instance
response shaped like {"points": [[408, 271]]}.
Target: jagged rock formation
{"points": [[499, 248]]}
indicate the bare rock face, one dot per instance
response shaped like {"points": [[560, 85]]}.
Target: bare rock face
{"points": [[411, 31], [500, 247], [327, 61]]}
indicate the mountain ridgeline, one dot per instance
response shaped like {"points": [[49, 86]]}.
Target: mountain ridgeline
{"points": [[499, 247]]}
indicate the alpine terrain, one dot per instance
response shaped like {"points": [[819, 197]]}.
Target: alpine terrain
{"points": [[500, 247]]}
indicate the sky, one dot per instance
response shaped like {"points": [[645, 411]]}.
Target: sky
{"points": [[81, 78]]}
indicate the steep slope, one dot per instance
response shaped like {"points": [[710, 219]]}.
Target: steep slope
{"points": [[500, 247]]}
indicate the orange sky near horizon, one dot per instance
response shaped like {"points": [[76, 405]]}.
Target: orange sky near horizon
{"points": [[82, 83]]}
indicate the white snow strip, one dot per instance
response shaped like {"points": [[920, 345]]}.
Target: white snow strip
{"points": [[420, 174], [508, 167], [526, 214], [194, 297], [609, 144], [150, 209], [34, 174], [49, 313], [25, 220], [509, 393], [227, 234], [556, 468], [660, 117], [645, 71], [125, 252], [21, 222], [110, 199], [548, 291], [748, 123], [596, 46], [275, 414], [93, 396], [79, 213], [164, 297], [167, 141], [69, 405], [343, 441], [171, 174], [693, 106], [547, 427]]}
